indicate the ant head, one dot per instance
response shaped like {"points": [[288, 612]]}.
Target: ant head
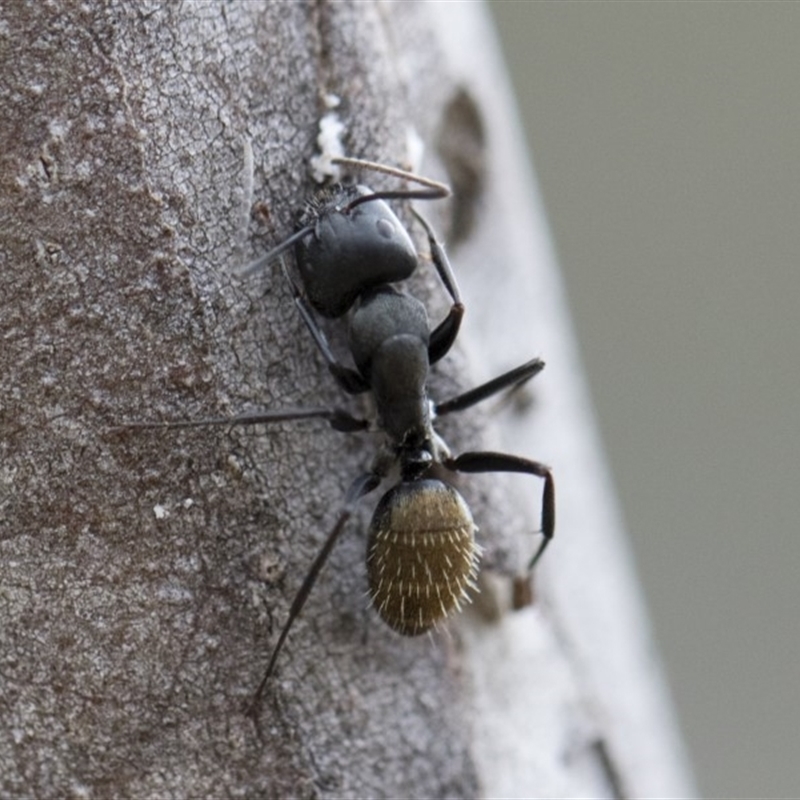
{"points": [[422, 557], [353, 243]]}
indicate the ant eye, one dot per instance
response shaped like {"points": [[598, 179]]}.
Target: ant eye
{"points": [[385, 228]]}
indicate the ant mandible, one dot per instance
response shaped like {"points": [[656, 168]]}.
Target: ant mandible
{"points": [[350, 249]]}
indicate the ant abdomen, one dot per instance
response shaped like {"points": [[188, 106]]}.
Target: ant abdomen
{"points": [[422, 557]]}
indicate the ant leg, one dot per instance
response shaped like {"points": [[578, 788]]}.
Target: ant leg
{"points": [[443, 336], [337, 418], [349, 379], [361, 486], [503, 462], [512, 379]]}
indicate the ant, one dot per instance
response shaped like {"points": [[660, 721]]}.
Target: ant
{"points": [[422, 557]]}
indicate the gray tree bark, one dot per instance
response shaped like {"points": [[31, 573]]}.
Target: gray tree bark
{"points": [[145, 576]]}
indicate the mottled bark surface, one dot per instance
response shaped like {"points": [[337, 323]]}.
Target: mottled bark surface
{"points": [[145, 575]]}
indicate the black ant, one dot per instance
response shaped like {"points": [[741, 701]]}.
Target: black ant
{"points": [[422, 557]]}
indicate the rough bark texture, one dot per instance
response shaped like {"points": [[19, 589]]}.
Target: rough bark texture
{"points": [[144, 576]]}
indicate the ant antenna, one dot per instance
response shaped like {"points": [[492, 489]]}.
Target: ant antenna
{"points": [[435, 191], [246, 270]]}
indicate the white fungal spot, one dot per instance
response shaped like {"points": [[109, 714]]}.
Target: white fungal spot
{"points": [[415, 149], [330, 144]]}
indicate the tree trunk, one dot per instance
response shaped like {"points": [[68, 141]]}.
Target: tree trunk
{"points": [[144, 576]]}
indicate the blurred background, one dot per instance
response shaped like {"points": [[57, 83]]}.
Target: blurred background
{"points": [[666, 140]]}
